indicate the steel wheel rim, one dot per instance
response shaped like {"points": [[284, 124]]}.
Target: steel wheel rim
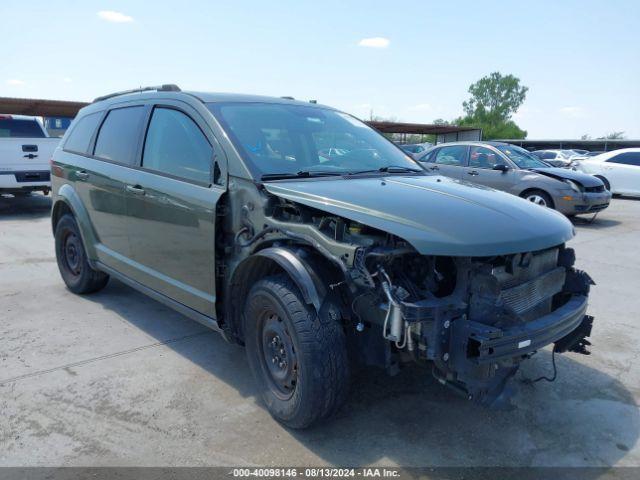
{"points": [[278, 355], [537, 199], [72, 250]]}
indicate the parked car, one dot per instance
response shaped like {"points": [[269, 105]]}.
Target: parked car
{"points": [[514, 170], [415, 150], [580, 152], [25, 150], [618, 169], [557, 158], [219, 206]]}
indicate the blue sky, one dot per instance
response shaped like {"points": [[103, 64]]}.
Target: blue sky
{"points": [[580, 59]]}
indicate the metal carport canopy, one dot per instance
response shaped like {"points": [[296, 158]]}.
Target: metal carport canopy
{"points": [[65, 108], [40, 107]]}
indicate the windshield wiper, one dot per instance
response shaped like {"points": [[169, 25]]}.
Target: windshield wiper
{"points": [[300, 174], [389, 169]]}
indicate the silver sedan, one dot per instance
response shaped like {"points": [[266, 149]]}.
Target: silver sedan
{"points": [[514, 170]]}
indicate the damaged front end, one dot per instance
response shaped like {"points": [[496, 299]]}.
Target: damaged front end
{"points": [[471, 320], [475, 319]]}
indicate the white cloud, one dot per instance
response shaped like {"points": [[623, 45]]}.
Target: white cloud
{"points": [[67, 80], [421, 107], [374, 42], [572, 112], [116, 17], [14, 82]]}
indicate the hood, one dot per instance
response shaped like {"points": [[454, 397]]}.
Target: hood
{"points": [[437, 215], [562, 173]]}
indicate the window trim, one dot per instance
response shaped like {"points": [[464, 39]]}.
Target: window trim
{"points": [[140, 166]]}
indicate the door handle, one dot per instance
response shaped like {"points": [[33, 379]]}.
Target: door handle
{"points": [[135, 189], [473, 172], [30, 156], [435, 167], [82, 175]]}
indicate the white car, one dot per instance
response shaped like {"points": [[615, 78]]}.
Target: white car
{"points": [[557, 158], [25, 150], [618, 169]]}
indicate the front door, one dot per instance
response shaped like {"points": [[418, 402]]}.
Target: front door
{"points": [[172, 209], [480, 169]]}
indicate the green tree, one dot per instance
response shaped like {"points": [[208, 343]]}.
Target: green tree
{"points": [[494, 99], [613, 136]]}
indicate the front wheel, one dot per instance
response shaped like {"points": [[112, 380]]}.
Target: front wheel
{"points": [[539, 198], [298, 358]]}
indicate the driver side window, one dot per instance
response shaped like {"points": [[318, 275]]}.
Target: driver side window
{"points": [[482, 157]]}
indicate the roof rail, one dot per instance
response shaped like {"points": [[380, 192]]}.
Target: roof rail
{"points": [[168, 87]]}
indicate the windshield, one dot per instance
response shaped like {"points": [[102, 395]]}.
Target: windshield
{"points": [[521, 157], [294, 139]]}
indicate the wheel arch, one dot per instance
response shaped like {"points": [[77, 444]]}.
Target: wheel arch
{"points": [[605, 180], [300, 263], [67, 201]]}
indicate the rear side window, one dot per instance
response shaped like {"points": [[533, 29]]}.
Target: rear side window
{"points": [[119, 135], [451, 155], [80, 136], [176, 146], [628, 158], [15, 128]]}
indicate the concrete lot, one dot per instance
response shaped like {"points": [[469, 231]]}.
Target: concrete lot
{"points": [[117, 379]]}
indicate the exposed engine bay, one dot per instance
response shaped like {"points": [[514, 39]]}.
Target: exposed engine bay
{"points": [[472, 320]]}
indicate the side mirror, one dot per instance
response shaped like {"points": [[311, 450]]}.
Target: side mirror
{"points": [[501, 167]]}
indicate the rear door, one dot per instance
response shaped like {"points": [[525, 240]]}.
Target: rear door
{"points": [[623, 172], [101, 178], [172, 207], [448, 161], [479, 169]]}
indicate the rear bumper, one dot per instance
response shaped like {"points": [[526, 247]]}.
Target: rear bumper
{"points": [[26, 179], [490, 344]]}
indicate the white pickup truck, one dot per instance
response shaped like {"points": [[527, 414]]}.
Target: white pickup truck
{"points": [[25, 150]]}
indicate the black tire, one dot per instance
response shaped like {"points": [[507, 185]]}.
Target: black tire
{"points": [[540, 197], [72, 259], [298, 358], [607, 185]]}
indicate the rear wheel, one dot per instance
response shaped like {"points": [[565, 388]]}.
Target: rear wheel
{"points": [[72, 259], [539, 198], [298, 358]]}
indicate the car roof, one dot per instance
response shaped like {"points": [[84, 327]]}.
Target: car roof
{"points": [[476, 142], [204, 97]]}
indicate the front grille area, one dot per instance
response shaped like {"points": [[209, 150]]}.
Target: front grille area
{"points": [[598, 189], [528, 295], [528, 291]]}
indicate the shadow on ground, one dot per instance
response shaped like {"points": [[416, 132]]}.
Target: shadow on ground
{"points": [[586, 417], [28, 207]]}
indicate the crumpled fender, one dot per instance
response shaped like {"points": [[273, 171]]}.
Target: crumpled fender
{"points": [[305, 277]]}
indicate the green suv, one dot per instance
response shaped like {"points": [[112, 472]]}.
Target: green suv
{"points": [[228, 209]]}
